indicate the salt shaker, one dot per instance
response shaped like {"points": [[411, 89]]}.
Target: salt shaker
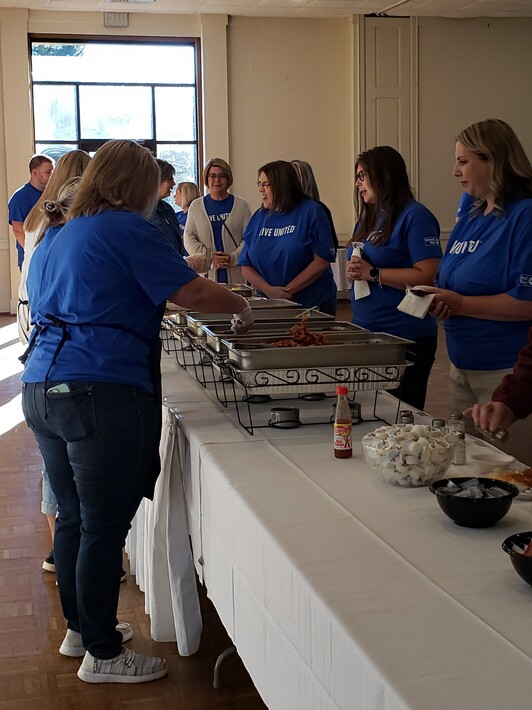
{"points": [[456, 426], [406, 416]]}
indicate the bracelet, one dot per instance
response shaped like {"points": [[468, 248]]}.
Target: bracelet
{"points": [[379, 281]]}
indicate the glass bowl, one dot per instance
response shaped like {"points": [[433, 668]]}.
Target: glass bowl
{"points": [[409, 455]]}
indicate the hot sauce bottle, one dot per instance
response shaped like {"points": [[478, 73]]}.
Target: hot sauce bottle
{"points": [[343, 448]]}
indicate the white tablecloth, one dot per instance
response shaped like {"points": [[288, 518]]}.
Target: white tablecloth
{"points": [[339, 590], [338, 269]]}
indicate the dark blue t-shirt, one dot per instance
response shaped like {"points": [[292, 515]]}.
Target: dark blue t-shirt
{"points": [[488, 255], [111, 269], [280, 245], [218, 211], [19, 207], [415, 237]]}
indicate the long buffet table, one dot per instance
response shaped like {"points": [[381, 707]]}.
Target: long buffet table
{"points": [[339, 590]]}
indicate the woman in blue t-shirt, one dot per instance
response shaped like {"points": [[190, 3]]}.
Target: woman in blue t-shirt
{"points": [[288, 244], [91, 388], [487, 268], [400, 243]]}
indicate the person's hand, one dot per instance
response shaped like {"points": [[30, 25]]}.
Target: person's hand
{"points": [[445, 304], [198, 262], [241, 322], [358, 269], [221, 259], [491, 416], [278, 292]]}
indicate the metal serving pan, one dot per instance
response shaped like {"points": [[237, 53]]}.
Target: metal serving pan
{"points": [[177, 315], [272, 303], [216, 334], [349, 349], [196, 320]]}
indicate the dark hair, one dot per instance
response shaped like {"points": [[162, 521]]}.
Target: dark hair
{"points": [[38, 160], [166, 168], [386, 170], [287, 192]]}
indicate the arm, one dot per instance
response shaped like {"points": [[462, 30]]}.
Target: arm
{"points": [[18, 231], [208, 297], [311, 273], [255, 279], [419, 274], [191, 237], [498, 307]]}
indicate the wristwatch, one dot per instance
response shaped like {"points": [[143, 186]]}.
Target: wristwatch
{"points": [[374, 273]]}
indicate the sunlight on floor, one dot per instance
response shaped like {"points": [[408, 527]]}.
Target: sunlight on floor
{"points": [[10, 366]]}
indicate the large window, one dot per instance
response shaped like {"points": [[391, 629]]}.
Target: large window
{"points": [[88, 92]]}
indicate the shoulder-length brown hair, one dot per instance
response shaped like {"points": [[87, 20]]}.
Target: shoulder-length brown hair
{"points": [[387, 173], [72, 164], [287, 192], [511, 173], [123, 175]]}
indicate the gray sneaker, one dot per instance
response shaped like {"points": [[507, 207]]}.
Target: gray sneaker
{"points": [[73, 645], [127, 667]]}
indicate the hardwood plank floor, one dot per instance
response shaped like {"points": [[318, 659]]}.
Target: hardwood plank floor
{"points": [[33, 675]]}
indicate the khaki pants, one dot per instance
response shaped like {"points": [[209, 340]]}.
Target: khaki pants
{"points": [[468, 387]]}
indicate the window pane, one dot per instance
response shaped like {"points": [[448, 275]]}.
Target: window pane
{"points": [[114, 62], [55, 151], [175, 109], [115, 112], [54, 112], [183, 158]]}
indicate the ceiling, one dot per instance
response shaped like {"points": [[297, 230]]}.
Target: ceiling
{"points": [[292, 8]]}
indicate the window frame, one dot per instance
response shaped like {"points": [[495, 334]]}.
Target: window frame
{"points": [[90, 145]]}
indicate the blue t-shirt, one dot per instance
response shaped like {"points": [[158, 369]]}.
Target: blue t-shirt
{"points": [[415, 237], [19, 207], [165, 219], [488, 255], [182, 220], [218, 211], [280, 245], [113, 269]]}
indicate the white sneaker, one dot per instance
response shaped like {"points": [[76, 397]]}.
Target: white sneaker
{"points": [[127, 667], [73, 645]]}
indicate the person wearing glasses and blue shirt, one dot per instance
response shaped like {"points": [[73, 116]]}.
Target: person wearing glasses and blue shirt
{"points": [[216, 222], [400, 243], [288, 243]]}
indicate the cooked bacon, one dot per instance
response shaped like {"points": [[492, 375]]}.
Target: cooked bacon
{"points": [[301, 337]]}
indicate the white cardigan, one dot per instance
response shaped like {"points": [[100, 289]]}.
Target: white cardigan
{"points": [[199, 237]]}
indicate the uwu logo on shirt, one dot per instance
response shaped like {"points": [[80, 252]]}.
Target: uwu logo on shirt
{"points": [[468, 246], [525, 280], [432, 241]]}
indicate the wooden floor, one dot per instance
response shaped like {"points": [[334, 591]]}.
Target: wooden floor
{"points": [[33, 675]]}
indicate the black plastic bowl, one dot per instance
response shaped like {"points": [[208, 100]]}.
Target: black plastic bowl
{"points": [[474, 512], [522, 564]]}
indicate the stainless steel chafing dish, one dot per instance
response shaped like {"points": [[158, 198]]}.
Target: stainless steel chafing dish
{"points": [[176, 315], [349, 349], [272, 303], [216, 334], [196, 320]]}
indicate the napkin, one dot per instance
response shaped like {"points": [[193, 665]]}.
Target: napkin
{"points": [[361, 288], [415, 304]]}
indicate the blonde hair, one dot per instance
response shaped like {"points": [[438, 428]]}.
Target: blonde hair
{"points": [[495, 141], [123, 175], [56, 211], [306, 177], [189, 193], [72, 164], [217, 163]]}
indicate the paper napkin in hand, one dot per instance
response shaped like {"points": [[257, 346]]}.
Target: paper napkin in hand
{"points": [[361, 288], [415, 304]]}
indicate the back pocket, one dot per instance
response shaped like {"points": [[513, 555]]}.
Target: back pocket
{"points": [[74, 413]]}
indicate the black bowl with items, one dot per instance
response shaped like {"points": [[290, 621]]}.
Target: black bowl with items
{"points": [[474, 502], [519, 547]]}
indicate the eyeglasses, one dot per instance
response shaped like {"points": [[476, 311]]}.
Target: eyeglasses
{"points": [[263, 184], [215, 176], [361, 175]]}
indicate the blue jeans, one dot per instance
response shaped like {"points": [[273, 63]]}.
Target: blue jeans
{"points": [[98, 443]]}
